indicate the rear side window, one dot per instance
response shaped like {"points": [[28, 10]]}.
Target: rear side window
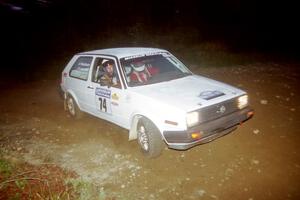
{"points": [[81, 68]]}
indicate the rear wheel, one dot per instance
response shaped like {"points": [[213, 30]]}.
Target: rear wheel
{"points": [[149, 138], [72, 108]]}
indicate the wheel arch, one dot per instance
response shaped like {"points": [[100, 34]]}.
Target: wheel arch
{"points": [[134, 122]]}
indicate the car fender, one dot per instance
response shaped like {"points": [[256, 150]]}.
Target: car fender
{"points": [[135, 119], [150, 112]]}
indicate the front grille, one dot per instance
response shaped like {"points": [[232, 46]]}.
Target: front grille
{"points": [[218, 110]]}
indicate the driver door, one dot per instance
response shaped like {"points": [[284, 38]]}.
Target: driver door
{"points": [[108, 102]]}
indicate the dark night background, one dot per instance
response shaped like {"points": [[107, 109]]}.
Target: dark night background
{"points": [[250, 44], [36, 34]]}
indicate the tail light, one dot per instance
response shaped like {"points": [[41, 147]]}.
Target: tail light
{"points": [[63, 76]]}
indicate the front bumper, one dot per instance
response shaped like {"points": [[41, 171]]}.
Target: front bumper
{"points": [[207, 131]]}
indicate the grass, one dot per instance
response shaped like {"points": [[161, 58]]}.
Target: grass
{"points": [[5, 168], [25, 181]]}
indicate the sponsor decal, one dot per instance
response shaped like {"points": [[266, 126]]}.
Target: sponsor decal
{"points": [[207, 95], [147, 54], [103, 92], [115, 97]]}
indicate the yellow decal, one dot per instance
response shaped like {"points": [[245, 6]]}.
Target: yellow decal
{"points": [[114, 96]]}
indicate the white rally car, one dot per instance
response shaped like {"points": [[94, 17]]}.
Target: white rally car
{"points": [[153, 95]]}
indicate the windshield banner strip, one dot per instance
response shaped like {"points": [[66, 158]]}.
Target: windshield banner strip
{"points": [[143, 55]]}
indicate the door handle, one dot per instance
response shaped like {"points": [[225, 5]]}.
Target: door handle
{"points": [[90, 87]]}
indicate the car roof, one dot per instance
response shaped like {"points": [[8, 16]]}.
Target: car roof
{"points": [[124, 52]]}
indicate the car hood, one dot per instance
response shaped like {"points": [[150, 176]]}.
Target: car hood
{"points": [[189, 93]]}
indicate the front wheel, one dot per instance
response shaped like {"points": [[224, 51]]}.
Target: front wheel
{"points": [[149, 138]]}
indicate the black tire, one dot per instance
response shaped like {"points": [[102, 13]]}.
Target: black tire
{"points": [[149, 138], [73, 108]]}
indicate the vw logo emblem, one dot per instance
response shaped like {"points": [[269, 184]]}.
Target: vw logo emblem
{"points": [[221, 110]]}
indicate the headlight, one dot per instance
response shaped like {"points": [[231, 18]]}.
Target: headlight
{"points": [[192, 118], [242, 101]]}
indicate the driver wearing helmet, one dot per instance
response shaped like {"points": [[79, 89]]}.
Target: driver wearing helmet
{"points": [[108, 75], [140, 72]]}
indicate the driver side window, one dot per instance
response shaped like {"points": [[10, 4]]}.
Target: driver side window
{"points": [[105, 70]]}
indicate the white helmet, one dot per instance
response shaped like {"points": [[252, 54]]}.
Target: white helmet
{"points": [[139, 66], [127, 70]]}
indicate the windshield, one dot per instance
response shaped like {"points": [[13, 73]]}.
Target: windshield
{"points": [[145, 70]]}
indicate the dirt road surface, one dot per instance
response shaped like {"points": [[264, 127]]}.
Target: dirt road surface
{"points": [[260, 160]]}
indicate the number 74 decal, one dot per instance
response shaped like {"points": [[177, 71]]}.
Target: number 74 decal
{"points": [[103, 102], [104, 105]]}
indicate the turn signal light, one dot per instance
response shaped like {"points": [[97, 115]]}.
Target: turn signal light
{"points": [[250, 114], [196, 135]]}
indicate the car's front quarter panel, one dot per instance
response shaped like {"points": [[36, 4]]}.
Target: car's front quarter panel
{"points": [[165, 117]]}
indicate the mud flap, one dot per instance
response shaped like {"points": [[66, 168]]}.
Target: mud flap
{"points": [[132, 131]]}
